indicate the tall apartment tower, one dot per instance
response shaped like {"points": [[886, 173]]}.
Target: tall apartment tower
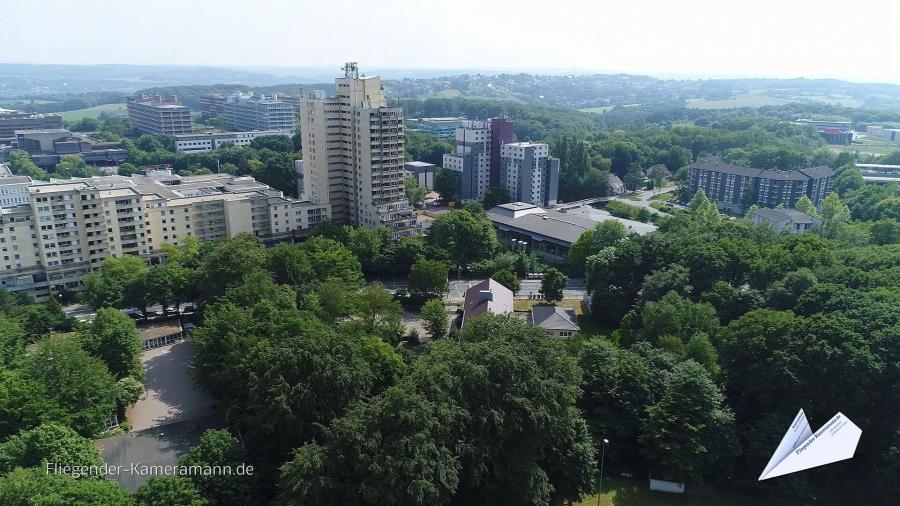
{"points": [[353, 154], [476, 159], [529, 173]]}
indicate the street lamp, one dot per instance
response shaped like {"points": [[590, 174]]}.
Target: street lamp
{"points": [[602, 458]]}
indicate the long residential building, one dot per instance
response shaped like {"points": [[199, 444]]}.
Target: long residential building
{"points": [[353, 155], [11, 120], [735, 188], [197, 143], [262, 112], [155, 114], [53, 234]]}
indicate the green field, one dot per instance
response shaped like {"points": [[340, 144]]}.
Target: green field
{"points": [[621, 492], [868, 145], [93, 112], [26, 101], [596, 109], [735, 102]]}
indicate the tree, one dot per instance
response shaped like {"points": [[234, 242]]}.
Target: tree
{"points": [[466, 237], [494, 196], [508, 279], [20, 163], [434, 315], [885, 232], [111, 284], [334, 300], [279, 143], [689, 433], [168, 491], [168, 284], [834, 214], [606, 233], [677, 316], [113, 338], [805, 205], [446, 183], [27, 487], [215, 448], [552, 285], [377, 309], [428, 277], [415, 194], [329, 259], [456, 444], [226, 262], [750, 212], [288, 265], [48, 443], [79, 383], [74, 166]]}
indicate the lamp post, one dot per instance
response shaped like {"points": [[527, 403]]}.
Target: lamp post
{"points": [[602, 458]]}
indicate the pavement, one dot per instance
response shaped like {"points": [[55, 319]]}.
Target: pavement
{"points": [[172, 395]]}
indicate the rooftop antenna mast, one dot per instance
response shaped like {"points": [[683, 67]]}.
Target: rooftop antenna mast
{"points": [[351, 69]]}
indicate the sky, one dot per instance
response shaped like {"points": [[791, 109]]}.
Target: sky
{"points": [[856, 41]]}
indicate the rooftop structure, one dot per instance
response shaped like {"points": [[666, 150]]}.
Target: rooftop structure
{"points": [[48, 146], [422, 172], [486, 297], [444, 127]]}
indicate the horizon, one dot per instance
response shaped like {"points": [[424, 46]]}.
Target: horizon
{"points": [[698, 39]]}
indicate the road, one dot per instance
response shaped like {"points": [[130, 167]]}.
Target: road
{"points": [[645, 197], [575, 287]]}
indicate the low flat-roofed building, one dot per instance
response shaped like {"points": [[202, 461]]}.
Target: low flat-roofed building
{"points": [[785, 220], [444, 127], [548, 234], [560, 322], [11, 120], [486, 297], [198, 143], [47, 147]]}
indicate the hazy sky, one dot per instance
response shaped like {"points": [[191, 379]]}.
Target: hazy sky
{"points": [[854, 40]]}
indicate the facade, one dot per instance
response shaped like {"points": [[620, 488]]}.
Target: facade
{"points": [[154, 114], [443, 127], [736, 188], [422, 172], [785, 220], [354, 156], [10, 121], [476, 159], [529, 173], [558, 321], [878, 173], [66, 228], [197, 143], [245, 113], [213, 104], [834, 132], [616, 186], [47, 147], [486, 297]]}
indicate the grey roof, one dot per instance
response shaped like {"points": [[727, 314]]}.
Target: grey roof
{"points": [[717, 165], [776, 215], [818, 172], [561, 227], [553, 318], [478, 302], [15, 180]]}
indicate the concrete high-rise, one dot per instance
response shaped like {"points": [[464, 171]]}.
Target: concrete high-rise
{"points": [[529, 173], [353, 154], [262, 112], [155, 114], [476, 159]]}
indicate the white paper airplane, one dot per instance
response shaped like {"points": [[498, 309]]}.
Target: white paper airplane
{"points": [[801, 449]]}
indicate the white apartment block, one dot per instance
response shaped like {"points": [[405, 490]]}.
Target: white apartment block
{"points": [[199, 143], [472, 159], [353, 155], [67, 227], [154, 114], [529, 173]]}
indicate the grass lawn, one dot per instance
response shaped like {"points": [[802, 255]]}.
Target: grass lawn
{"points": [[25, 101], [525, 304], [622, 492], [664, 196], [596, 109], [92, 112]]}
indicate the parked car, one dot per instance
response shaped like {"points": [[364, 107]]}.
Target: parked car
{"points": [[535, 275]]}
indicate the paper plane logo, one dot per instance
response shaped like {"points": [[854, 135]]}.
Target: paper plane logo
{"points": [[801, 449]]}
